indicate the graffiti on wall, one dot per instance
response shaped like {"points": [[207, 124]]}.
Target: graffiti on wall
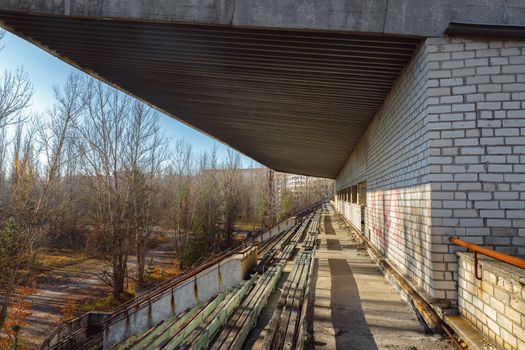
{"points": [[385, 218]]}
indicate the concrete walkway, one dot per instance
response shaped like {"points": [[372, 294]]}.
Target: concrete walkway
{"points": [[351, 305]]}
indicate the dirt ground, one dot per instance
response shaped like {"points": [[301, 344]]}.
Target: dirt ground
{"points": [[73, 282]]}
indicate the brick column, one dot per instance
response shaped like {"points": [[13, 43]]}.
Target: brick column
{"points": [[476, 133]]}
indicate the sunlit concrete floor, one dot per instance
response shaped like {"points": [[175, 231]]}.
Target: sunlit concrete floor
{"points": [[352, 306]]}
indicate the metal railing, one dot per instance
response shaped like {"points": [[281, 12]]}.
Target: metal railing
{"points": [[509, 259]]}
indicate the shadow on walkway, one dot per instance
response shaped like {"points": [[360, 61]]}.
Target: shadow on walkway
{"points": [[333, 244], [348, 319], [328, 227]]}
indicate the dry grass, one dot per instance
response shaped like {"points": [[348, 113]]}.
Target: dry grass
{"points": [[57, 258], [247, 226], [105, 303], [159, 274]]}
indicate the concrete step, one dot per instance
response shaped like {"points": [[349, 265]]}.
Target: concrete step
{"points": [[473, 338]]}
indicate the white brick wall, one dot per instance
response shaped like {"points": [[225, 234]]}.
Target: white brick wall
{"points": [[495, 305], [351, 211], [445, 156], [391, 157], [476, 141]]}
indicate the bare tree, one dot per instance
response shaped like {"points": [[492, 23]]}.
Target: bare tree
{"points": [[145, 156], [181, 172], [56, 137], [230, 180], [30, 195], [15, 94], [2, 33], [102, 142]]}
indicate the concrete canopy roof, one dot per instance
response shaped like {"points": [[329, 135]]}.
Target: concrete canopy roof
{"points": [[295, 101]]}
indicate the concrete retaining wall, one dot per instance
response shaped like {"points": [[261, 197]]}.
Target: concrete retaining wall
{"points": [[494, 305], [276, 230], [75, 331], [198, 289]]}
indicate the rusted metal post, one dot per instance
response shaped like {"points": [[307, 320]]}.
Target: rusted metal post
{"points": [[476, 266]]}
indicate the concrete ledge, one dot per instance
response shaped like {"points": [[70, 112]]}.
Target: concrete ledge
{"points": [[500, 268], [473, 339]]}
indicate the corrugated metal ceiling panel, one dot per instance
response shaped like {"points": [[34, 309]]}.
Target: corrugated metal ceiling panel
{"points": [[294, 101]]}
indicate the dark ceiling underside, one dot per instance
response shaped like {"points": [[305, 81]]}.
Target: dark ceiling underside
{"points": [[295, 101]]}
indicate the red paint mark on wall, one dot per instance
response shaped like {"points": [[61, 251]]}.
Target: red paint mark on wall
{"points": [[385, 206]]}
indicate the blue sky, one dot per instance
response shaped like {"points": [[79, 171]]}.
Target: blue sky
{"points": [[45, 70]]}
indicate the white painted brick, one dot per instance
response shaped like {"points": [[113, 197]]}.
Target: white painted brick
{"points": [[465, 89], [476, 46], [511, 105], [464, 124], [516, 114], [466, 159], [463, 72], [453, 134], [492, 213], [517, 60], [452, 47], [451, 82], [499, 222], [491, 141], [438, 56], [510, 52], [476, 62], [491, 177], [487, 53], [452, 64], [518, 96], [499, 60], [472, 150], [488, 70], [513, 87], [443, 91], [463, 54], [497, 97], [488, 105], [464, 142], [512, 204], [475, 97], [478, 79], [439, 109], [466, 107], [434, 74], [513, 69], [489, 87], [445, 117], [497, 168], [515, 140], [486, 205], [452, 99], [439, 126], [503, 79]]}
